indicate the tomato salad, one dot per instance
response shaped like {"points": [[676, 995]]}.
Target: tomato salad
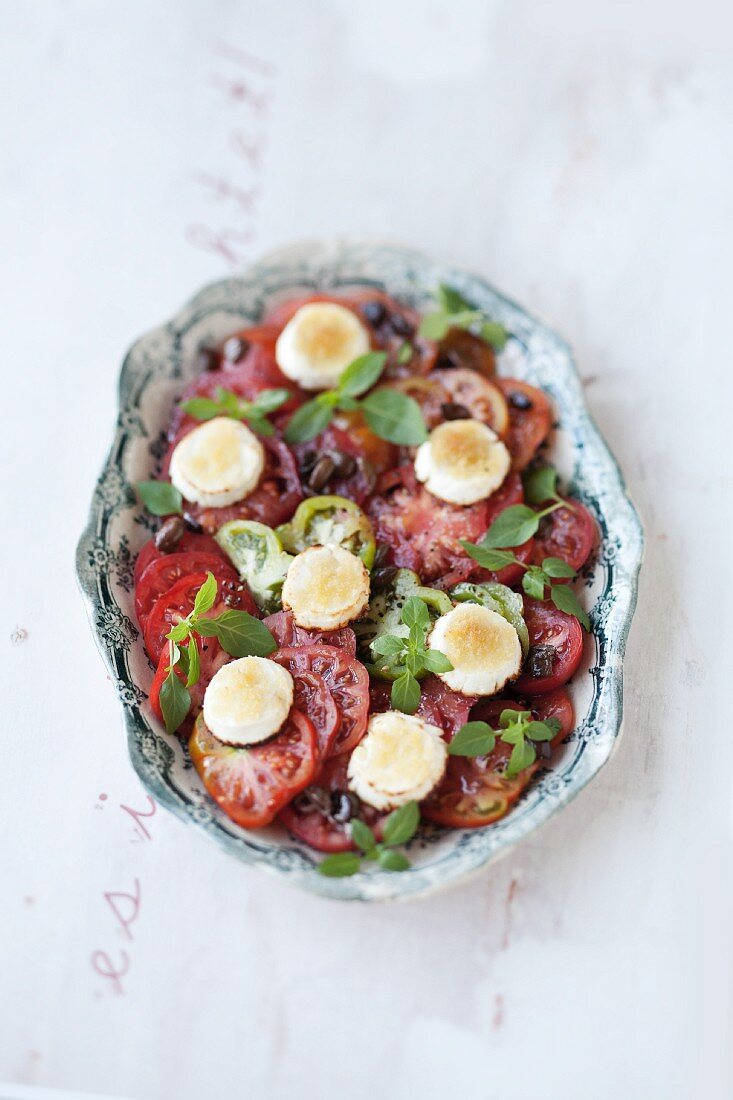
{"points": [[359, 602]]}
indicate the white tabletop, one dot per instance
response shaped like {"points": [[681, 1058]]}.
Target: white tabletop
{"points": [[582, 161]]}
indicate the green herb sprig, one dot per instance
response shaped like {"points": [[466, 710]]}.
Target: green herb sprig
{"points": [[400, 826], [239, 634], [160, 498], [391, 415], [456, 312], [411, 656], [226, 403], [516, 728], [513, 527]]}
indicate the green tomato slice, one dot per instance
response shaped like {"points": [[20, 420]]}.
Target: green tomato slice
{"points": [[497, 597], [330, 520], [384, 616], [257, 554]]}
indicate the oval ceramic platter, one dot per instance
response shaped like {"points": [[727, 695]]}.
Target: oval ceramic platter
{"points": [[154, 373]]}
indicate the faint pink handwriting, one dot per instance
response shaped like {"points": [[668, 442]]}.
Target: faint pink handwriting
{"points": [[102, 963], [136, 815], [131, 902], [125, 905], [237, 183]]}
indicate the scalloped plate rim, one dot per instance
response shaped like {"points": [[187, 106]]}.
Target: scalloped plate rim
{"points": [[375, 886]]}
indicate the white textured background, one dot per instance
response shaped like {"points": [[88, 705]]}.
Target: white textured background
{"points": [[581, 156]]}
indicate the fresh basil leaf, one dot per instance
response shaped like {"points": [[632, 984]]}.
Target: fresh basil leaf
{"points": [[395, 417], [179, 632], [510, 717], [493, 560], [494, 333], [564, 599], [401, 825], [231, 402], [405, 353], [193, 672], [340, 865], [533, 583], [415, 613], [309, 420], [175, 701], [540, 484], [362, 836], [269, 400], [388, 645], [435, 661], [201, 408], [523, 755], [160, 497], [541, 731], [434, 326], [556, 567], [406, 693], [205, 597], [512, 527], [473, 739], [259, 424], [362, 374], [450, 300], [239, 633], [390, 860]]}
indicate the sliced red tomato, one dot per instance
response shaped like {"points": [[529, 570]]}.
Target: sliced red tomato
{"points": [[274, 500], [510, 492], [251, 785], [190, 541], [320, 816], [177, 603], [313, 699], [347, 680], [475, 791], [370, 456], [422, 532], [555, 704], [211, 657], [482, 399], [530, 419], [567, 534], [163, 573], [286, 632], [549, 627], [442, 707]]}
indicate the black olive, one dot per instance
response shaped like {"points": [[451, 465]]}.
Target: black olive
{"points": [[400, 325], [207, 359], [383, 577], [451, 410], [540, 660], [191, 522], [235, 349], [307, 462], [449, 359], [343, 806], [380, 554], [313, 800], [368, 473], [322, 472], [170, 534], [519, 400], [345, 463], [374, 312], [544, 750]]}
